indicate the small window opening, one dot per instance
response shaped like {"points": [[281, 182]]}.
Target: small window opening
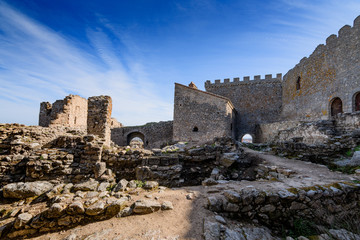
{"points": [[247, 138], [195, 129], [298, 83], [231, 126], [75, 120]]}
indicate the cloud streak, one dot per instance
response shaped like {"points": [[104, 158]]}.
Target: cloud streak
{"points": [[38, 64]]}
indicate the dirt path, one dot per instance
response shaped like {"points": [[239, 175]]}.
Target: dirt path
{"points": [[185, 221]]}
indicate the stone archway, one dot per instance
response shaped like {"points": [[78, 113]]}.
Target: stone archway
{"points": [[336, 107], [133, 135], [356, 101], [247, 138]]}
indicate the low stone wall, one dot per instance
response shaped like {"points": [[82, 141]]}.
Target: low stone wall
{"points": [[154, 135], [52, 208], [276, 209], [77, 158], [315, 132], [307, 132], [347, 122]]}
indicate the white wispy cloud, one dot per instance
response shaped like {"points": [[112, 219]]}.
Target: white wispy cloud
{"points": [[38, 64]]}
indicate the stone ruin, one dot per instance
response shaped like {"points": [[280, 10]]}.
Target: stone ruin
{"points": [[92, 115], [82, 166]]}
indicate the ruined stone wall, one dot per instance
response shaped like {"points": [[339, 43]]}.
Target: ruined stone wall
{"points": [[154, 135], [347, 122], [36, 153], [99, 117], [200, 116], [256, 101], [310, 132], [69, 112], [322, 204], [115, 123], [268, 131], [332, 70]]}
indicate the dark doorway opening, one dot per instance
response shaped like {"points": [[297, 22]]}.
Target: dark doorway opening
{"points": [[357, 102], [336, 106]]}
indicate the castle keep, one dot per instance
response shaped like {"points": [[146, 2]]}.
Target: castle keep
{"points": [[319, 87]]}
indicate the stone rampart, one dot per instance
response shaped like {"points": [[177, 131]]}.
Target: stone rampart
{"points": [[246, 80], [153, 135], [330, 72], [256, 101]]}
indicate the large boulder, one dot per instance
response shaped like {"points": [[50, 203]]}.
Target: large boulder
{"points": [[355, 160], [23, 190], [146, 206], [22, 219], [90, 185], [121, 186], [227, 159]]}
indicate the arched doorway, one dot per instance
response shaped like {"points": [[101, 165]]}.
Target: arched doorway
{"points": [[247, 138], [357, 101], [336, 106], [137, 135]]}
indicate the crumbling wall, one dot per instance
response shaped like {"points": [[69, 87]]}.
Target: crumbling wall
{"points": [[321, 204], [331, 71], [200, 116], [256, 101], [69, 112], [115, 123], [99, 117], [154, 135]]}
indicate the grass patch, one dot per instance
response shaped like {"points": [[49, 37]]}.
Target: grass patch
{"points": [[343, 169], [301, 227], [139, 183]]}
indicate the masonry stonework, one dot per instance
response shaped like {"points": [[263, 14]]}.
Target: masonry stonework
{"points": [[69, 112], [153, 135], [256, 101], [320, 87], [331, 71], [200, 116], [99, 117]]}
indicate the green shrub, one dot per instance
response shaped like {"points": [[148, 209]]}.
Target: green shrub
{"points": [[139, 183]]}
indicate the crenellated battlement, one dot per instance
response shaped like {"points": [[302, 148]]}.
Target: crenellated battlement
{"points": [[245, 81], [345, 34]]}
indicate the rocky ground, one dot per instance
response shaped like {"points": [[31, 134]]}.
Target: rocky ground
{"points": [[176, 213]]}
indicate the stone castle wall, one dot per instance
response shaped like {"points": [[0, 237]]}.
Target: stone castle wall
{"points": [[256, 101], [200, 116], [331, 71], [69, 112], [154, 135]]}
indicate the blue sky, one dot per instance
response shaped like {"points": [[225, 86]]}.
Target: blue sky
{"points": [[135, 50]]}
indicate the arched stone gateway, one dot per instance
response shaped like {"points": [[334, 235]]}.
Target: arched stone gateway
{"points": [[336, 106], [133, 135], [247, 138]]}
